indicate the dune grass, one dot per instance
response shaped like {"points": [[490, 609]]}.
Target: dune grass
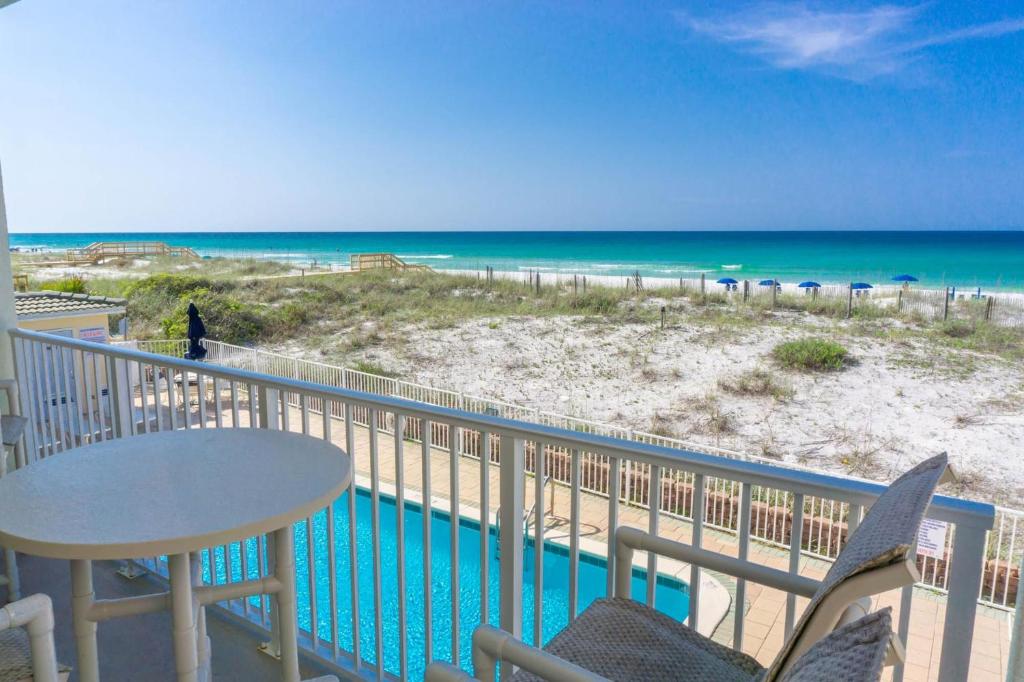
{"points": [[811, 354]]}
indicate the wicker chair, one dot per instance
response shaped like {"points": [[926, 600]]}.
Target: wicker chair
{"points": [[27, 651], [621, 639]]}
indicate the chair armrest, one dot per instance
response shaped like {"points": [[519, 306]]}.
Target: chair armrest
{"points": [[35, 614], [491, 646], [628, 540]]}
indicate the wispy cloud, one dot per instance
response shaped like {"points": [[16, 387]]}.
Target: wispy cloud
{"points": [[859, 45]]}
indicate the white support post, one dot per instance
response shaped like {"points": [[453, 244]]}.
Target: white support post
{"points": [[8, 317], [269, 404], [962, 603], [512, 464], [1015, 668]]}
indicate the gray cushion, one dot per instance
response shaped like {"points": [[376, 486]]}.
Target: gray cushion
{"points": [[852, 653], [624, 640]]}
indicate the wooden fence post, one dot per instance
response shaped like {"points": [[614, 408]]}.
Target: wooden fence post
{"points": [[988, 308], [746, 290], [899, 301], [945, 306], [849, 302], [775, 292], [703, 291]]}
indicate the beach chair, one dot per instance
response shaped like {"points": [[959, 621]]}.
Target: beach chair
{"points": [[854, 652], [27, 651], [621, 639]]}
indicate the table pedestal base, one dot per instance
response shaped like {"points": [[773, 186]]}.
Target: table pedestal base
{"points": [[186, 601]]}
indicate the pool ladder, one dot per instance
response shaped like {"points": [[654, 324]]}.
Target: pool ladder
{"points": [[526, 516]]}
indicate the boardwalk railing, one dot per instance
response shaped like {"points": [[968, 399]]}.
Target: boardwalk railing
{"points": [[826, 522], [359, 262], [75, 392]]}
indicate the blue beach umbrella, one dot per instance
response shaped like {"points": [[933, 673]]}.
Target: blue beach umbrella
{"points": [[860, 285], [728, 280], [904, 278], [808, 285], [768, 282]]}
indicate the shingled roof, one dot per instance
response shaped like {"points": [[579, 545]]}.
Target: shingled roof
{"points": [[36, 305]]}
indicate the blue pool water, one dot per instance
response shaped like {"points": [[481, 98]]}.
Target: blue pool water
{"points": [[671, 595]]}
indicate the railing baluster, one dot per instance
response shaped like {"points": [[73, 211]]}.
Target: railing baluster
{"points": [[653, 514], [403, 666], [332, 567], [742, 553], [218, 416], [510, 541], [538, 543], [142, 397], [375, 529], [26, 404], [485, 525], [46, 368], [428, 597], [697, 541], [201, 398], [795, 543], [906, 597], [101, 415], [574, 534], [613, 520], [234, 405], [350, 447], [68, 399], [454, 436]]}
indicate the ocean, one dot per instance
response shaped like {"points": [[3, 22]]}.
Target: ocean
{"points": [[992, 259]]}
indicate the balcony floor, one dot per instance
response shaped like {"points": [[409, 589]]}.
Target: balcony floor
{"points": [[139, 648]]}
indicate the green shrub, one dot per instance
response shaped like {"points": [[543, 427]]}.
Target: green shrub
{"points": [[75, 284], [811, 354]]}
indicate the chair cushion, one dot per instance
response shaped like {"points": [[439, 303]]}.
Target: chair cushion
{"points": [[852, 653], [624, 640], [16, 657], [884, 537]]}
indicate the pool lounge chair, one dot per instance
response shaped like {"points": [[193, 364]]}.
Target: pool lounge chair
{"points": [[621, 639], [854, 652]]}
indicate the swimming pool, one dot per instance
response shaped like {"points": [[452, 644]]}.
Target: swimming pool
{"points": [[672, 596]]}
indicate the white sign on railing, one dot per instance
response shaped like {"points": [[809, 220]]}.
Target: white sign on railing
{"points": [[931, 539]]}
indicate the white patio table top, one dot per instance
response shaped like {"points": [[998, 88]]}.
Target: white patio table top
{"points": [[168, 493], [172, 493]]}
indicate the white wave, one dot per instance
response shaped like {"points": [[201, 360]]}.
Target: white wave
{"points": [[732, 267], [429, 256]]}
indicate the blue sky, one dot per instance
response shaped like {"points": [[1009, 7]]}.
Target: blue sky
{"points": [[511, 115]]}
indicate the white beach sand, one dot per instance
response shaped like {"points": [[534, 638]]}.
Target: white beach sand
{"points": [[898, 403]]}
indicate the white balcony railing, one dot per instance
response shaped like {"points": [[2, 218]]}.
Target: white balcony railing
{"points": [[450, 460], [825, 520]]}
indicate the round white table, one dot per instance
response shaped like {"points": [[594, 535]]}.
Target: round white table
{"points": [[173, 493]]}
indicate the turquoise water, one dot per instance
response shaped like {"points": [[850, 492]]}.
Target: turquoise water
{"points": [[671, 595], [963, 259]]}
